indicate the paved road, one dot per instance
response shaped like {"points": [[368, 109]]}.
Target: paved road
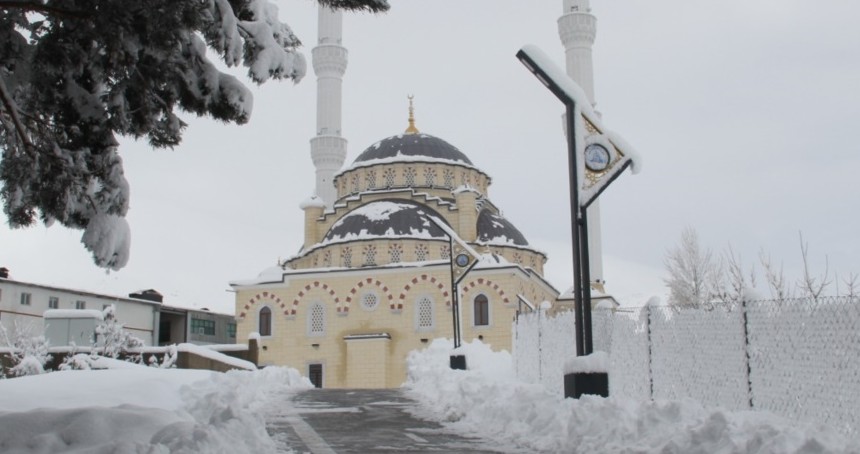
{"points": [[326, 421]]}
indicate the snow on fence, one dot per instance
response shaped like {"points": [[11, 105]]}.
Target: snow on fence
{"points": [[799, 358]]}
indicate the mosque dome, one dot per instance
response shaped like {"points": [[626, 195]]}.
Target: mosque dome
{"points": [[413, 146], [494, 229], [386, 219]]}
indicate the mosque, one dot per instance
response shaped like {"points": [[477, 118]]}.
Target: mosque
{"points": [[373, 280]]}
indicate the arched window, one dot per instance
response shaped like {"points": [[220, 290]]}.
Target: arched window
{"points": [[316, 320], [265, 322], [424, 314], [482, 310]]}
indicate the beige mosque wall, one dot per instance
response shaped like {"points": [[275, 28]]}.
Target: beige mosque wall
{"points": [[375, 362]]}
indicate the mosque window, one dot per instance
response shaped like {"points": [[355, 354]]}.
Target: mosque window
{"points": [[518, 258], [327, 258], [430, 176], [369, 301], [534, 262], [463, 178], [409, 176], [346, 256], [448, 178], [445, 252], [395, 251], [388, 176], [370, 179], [315, 260], [316, 320], [265, 322], [421, 252], [355, 183], [424, 313], [482, 310], [369, 255]]}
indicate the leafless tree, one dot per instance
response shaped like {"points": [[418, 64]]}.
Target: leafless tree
{"points": [[812, 286], [693, 272]]}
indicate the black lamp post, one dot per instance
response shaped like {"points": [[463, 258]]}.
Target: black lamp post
{"points": [[560, 85]]}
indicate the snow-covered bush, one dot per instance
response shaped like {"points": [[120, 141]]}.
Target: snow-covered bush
{"points": [[168, 361], [112, 339], [28, 353]]}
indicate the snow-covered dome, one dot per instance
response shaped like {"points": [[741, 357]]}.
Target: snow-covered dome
{"points": [[494, 229], [386, 218], [412, 147]]}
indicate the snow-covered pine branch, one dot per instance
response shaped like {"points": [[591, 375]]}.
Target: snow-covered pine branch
{"points": [[75, 74]]}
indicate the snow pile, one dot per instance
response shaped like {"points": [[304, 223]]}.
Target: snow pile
{"points": [[141, 409], [488, 401]]}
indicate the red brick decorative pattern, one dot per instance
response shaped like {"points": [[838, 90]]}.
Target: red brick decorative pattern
{"points": [[487, 284], [314, 287], [262, 296], [422, 278], [367, 282]]}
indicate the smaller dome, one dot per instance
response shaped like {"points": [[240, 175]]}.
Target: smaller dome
{"points": [[386, 219], [494, 229], [413, 145]]}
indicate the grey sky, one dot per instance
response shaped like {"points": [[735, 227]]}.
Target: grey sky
{"points": [[744, 113]]}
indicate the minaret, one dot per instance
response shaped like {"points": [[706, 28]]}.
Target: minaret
{"points": [[577, 28], [328, 148]]}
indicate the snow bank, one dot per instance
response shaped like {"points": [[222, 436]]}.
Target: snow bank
{"points": [[141, 410], [488, 401]]}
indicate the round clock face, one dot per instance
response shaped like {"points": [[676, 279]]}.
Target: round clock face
{"points": [[596, 157], [462, 260]]}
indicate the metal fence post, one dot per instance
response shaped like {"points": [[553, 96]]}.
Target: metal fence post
{"points": [[747, 351], [650, 352]]}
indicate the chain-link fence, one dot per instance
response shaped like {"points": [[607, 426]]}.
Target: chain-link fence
{"points": [[799, 358]]}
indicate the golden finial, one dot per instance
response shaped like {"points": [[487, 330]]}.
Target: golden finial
{"points": [[411, 129]]}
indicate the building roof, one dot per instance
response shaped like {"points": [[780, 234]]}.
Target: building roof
{"points": [[494, 229], [411, 146], [386, 218]]}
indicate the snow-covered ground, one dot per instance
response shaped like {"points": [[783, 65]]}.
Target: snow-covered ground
{"points": [[488, 400], [136, 409]]}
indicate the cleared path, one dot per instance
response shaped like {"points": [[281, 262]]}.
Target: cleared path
{"points": [[325, 421]]}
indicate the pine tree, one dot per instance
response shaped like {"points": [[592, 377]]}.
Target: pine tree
{"points": [[75, 74]]}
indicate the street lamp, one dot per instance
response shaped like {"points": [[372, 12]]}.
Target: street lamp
{"points": [[461, 259], [604, 159]]}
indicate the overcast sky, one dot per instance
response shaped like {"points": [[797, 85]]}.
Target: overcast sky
{"points": [[745, 113]]}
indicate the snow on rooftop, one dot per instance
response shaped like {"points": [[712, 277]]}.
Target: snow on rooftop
{"points": [[73, 313]]}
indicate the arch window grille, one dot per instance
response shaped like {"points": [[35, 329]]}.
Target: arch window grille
{"points": [[482, 310], [395, 252], [388, 176], [316, 320], [409, 176], [369, 255], [265, 322], [369, 301], [327, 258], [448, 178], [424, 313], [355, 183], [518, 258], [421, 252], [346, 256], [370, 179], [430, 176], [445, 252], [463, 178]]}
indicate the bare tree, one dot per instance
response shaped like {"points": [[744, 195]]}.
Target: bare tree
{"points": [[812, 286], [853, 290], [775, 278], [693, 272]]}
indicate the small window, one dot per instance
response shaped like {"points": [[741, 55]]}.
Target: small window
{"points": [[316, 320], [370, 179], [355, 183], [25, 298], [421, 252], [482, 311], [346, 256], [445, 252], [204, 327], [388, 175], [265, 327], [430, 176], [53, 302], [327, 259], [369, 255], [409, 176], [395, 252], [369, 301], [231, 330], [80, 304], [448, 176], [424, 313]]}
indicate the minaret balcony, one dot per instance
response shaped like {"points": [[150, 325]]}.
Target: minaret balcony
{"points": [[329, 60]]}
